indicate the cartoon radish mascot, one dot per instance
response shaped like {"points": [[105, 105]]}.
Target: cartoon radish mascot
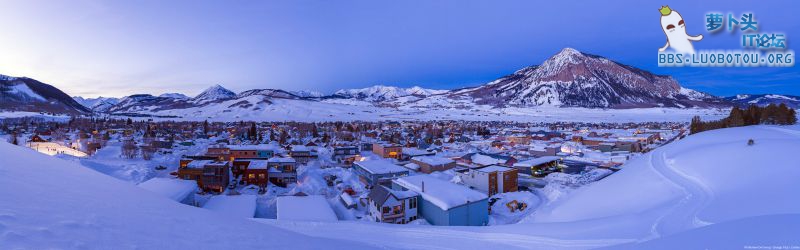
{"points": [[673, 26]]}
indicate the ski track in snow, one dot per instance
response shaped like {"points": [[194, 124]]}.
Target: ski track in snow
{"points": [[683, 215]]}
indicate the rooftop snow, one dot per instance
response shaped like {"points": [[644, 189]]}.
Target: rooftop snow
{"points": [[305, 208], [258, 164], [243, 206], [175, 189], [282, 159], [380, 166], [536, 161], [443, 194], [433, 160], [493, 168]]}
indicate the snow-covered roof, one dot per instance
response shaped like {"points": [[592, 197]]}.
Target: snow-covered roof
{"points": [[198, 163], [536, 161], [259, 147], [282, 160], [493, 168], [380, 167], [485, 159], [416, 151], [305, 208], [299, 148], [235, 205], [443, 194], [433, 160], [412, 166], [175, 189], [257, 164]]}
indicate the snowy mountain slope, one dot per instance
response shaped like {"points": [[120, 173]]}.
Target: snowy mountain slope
{"points": [[26, 94], [99, 104], [52, 203], [380, 93], [571, 78], [745, 100], [213, 94], [174, 95]]}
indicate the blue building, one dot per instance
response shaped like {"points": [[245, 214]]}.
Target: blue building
{"points": [[372, 172], [446, 204]]}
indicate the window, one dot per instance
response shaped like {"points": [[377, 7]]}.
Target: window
{"points": [[262, 176], [385, 210], [397, 209], [412, 203], [251, 176]]}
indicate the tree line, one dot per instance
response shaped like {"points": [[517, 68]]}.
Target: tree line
{"points": [[753, 115]]}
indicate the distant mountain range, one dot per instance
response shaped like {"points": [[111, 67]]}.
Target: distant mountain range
{"points": [[764, 100], [569, 78]]}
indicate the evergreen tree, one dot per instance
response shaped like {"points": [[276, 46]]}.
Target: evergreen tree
{"points": [[736, 118]]}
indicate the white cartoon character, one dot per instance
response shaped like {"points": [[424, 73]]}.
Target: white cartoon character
{"points": [[673, 26]]}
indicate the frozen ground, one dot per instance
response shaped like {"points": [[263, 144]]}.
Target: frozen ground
{"points": [[688, 194]]}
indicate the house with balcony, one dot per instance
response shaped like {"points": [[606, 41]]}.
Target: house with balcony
{"points": [[282, 170], [345, 155], [392, 206], [444, 203], [210, 175]]}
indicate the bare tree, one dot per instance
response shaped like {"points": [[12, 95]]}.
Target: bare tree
{"points": [[147, 152], [129, 149]]}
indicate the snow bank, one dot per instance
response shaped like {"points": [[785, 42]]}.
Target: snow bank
{"points": [[175, 189], [242, 206], [52, 203], [305, 208]]}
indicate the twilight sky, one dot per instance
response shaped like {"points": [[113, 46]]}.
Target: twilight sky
{"points": [[117, 48]]}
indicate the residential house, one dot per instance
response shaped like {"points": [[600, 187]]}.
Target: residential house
{"points": [[538, 167], [210, 175], [492, 179], [444, 203], [345, 155], [392, 206], [282, 170], [302, 154], [429, 164], [256, 173], [373, 172], [387, 150]]}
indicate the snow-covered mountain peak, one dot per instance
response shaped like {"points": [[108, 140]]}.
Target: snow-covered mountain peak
{"points": [[379, 93], [212, 94]]}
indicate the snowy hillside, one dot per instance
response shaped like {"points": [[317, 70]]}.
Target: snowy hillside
{"points": [[700, 188], [49, 203], [379, 93], [22, 94]]}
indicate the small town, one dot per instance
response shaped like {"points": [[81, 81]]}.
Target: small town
{"points": [[451, 173]]}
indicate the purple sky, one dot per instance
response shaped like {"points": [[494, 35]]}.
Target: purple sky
{"points": [[117, 48]]}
